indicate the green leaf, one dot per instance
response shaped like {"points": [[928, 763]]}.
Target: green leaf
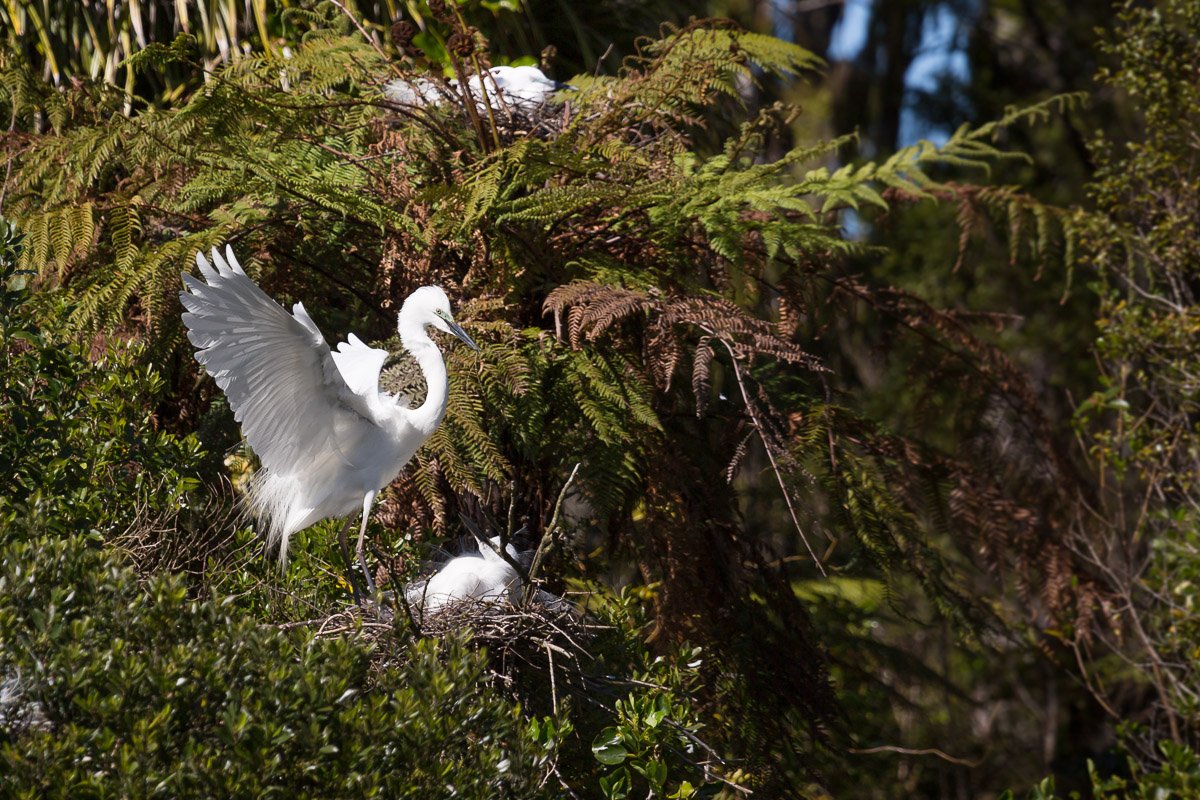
{"points": [[684, 791], [617, 785], [655, 773], [658, 714], [608, 748]]}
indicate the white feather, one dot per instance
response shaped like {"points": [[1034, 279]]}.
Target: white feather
{"points": [[420, 92], [327, 439], [480, 577], [523, 88], [359, 365]]}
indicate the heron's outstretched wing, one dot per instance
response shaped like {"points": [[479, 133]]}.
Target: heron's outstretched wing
{"points": [[360, 365], [282, 381]]}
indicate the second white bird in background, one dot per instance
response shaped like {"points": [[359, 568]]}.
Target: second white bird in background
{"points": [[520, 88]]}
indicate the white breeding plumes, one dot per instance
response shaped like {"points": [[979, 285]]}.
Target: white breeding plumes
{"points": [[329, 440], [482, 577], [17, 712], [521, 88]]}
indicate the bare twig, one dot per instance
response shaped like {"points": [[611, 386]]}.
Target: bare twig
{"points": [[737, 373], [600, 60], [553, 684], [8, 162], [924, 751], [303, 623], [502, 551], [512, 511], [548, 535]]}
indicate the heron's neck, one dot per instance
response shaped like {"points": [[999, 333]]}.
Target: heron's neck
{"points": [[426, 416]]}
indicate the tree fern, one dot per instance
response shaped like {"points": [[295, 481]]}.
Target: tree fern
{"points": [[654, 308]]}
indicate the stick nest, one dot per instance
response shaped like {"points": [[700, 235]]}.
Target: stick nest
{"points": [[531, 648]]}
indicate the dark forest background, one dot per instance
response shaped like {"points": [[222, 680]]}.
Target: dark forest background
{"points": [[872, 328]]}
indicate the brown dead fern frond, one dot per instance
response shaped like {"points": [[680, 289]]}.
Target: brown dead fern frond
{"points": [[669, 323]]}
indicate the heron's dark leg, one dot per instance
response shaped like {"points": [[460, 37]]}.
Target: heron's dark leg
{"points": [[344, 546], [362, 535]]}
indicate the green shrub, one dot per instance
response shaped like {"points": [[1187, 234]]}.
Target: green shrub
{"points": [[148, 694], [79, 446], [1176, 777]]}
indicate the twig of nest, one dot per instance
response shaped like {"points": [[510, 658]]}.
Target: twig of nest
{"points": [[196, 541], [548, 643], [18, 713], [542, 642], [419, 99], [537, 644]]}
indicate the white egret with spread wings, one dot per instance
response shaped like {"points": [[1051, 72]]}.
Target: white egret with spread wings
{"points": [[328, 439]]}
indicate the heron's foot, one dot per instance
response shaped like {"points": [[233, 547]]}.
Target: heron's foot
{"points": [[356, 591], [362, 564], [351, 578]]}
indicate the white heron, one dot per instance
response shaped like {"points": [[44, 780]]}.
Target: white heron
{"points": [[329, 440], [484, 577], [522, 88]]}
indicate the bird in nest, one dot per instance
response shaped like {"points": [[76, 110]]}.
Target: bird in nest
{"points": [[484, 576], [525, 89]]}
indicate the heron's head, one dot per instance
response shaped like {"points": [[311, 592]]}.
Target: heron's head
{"points": [[490, 550], [430, 306]]}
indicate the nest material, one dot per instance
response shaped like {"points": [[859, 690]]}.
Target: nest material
{"points": [[546, 122], [514, 120], [537, 653], [196, 540], [18, 713], [530, 648]]}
